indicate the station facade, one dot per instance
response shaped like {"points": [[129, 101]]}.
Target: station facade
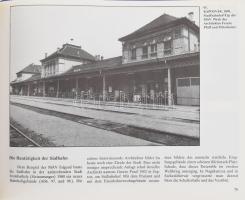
{"points": [[160, 64]]}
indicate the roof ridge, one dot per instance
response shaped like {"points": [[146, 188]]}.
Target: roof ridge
{"points": [[62, 49], [31, 68], [109, 58], [72, 51], [98, 61], [162, 20], [73, 45]]}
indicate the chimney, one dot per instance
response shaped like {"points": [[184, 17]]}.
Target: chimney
{"points": [[46, 55], [97, 57], [191, 16]]}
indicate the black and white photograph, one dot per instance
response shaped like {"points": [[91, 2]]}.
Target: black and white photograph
{"points": [[104, 76]]}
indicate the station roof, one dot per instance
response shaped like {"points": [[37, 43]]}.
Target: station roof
{"points": [[115, 63], [71, 51], [109, 63], [163, 22], [34, 77], [31, 69]]}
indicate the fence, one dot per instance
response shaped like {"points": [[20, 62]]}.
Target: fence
{"points": [[158, 99], [124, 98]]}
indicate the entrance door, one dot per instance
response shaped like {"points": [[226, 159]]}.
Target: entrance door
{"points": [[188, 91]]}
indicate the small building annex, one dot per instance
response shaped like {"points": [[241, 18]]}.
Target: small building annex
{"points": [[160, 64]]}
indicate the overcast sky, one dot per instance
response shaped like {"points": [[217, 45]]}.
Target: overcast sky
{"points": [[36, 30]]}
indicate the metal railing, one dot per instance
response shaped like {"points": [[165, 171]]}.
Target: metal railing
{"points": [[121, 99]]}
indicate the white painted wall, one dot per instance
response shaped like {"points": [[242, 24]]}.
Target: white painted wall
{"points": [[139, 53], [180, 45], [160, 47], [65, 64], [42, 71], [125, 56], [48, 70], [184, 31], [24, 77], [193, 41], [61, 65]]}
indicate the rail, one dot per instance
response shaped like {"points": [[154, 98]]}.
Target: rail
{"points": [[24, 135]]}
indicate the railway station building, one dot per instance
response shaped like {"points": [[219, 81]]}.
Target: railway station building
{"points": [[160, 64]]}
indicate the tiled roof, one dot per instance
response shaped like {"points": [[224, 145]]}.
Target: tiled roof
{"points": [[31, 69], [115, 63], [32, 78], [14, 81], [99, 65], [163, 21], [71, 51], [160, 21]]}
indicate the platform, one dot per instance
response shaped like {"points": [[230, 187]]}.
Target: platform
{"points": [[178, 120]]}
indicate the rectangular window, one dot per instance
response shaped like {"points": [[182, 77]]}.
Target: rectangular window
{"points": [[177, 33], [133, 54], [154, 50], [145, 52], [53, 67], [46, 70], [184, 82], [195, 81], [110, 89], [168, 47], [56, 69]]}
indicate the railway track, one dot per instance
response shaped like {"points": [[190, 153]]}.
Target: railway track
{"points": [[23, 140], [159, 137]]}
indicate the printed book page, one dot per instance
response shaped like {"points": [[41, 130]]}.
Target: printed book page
{"points": [[121, 99]]}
